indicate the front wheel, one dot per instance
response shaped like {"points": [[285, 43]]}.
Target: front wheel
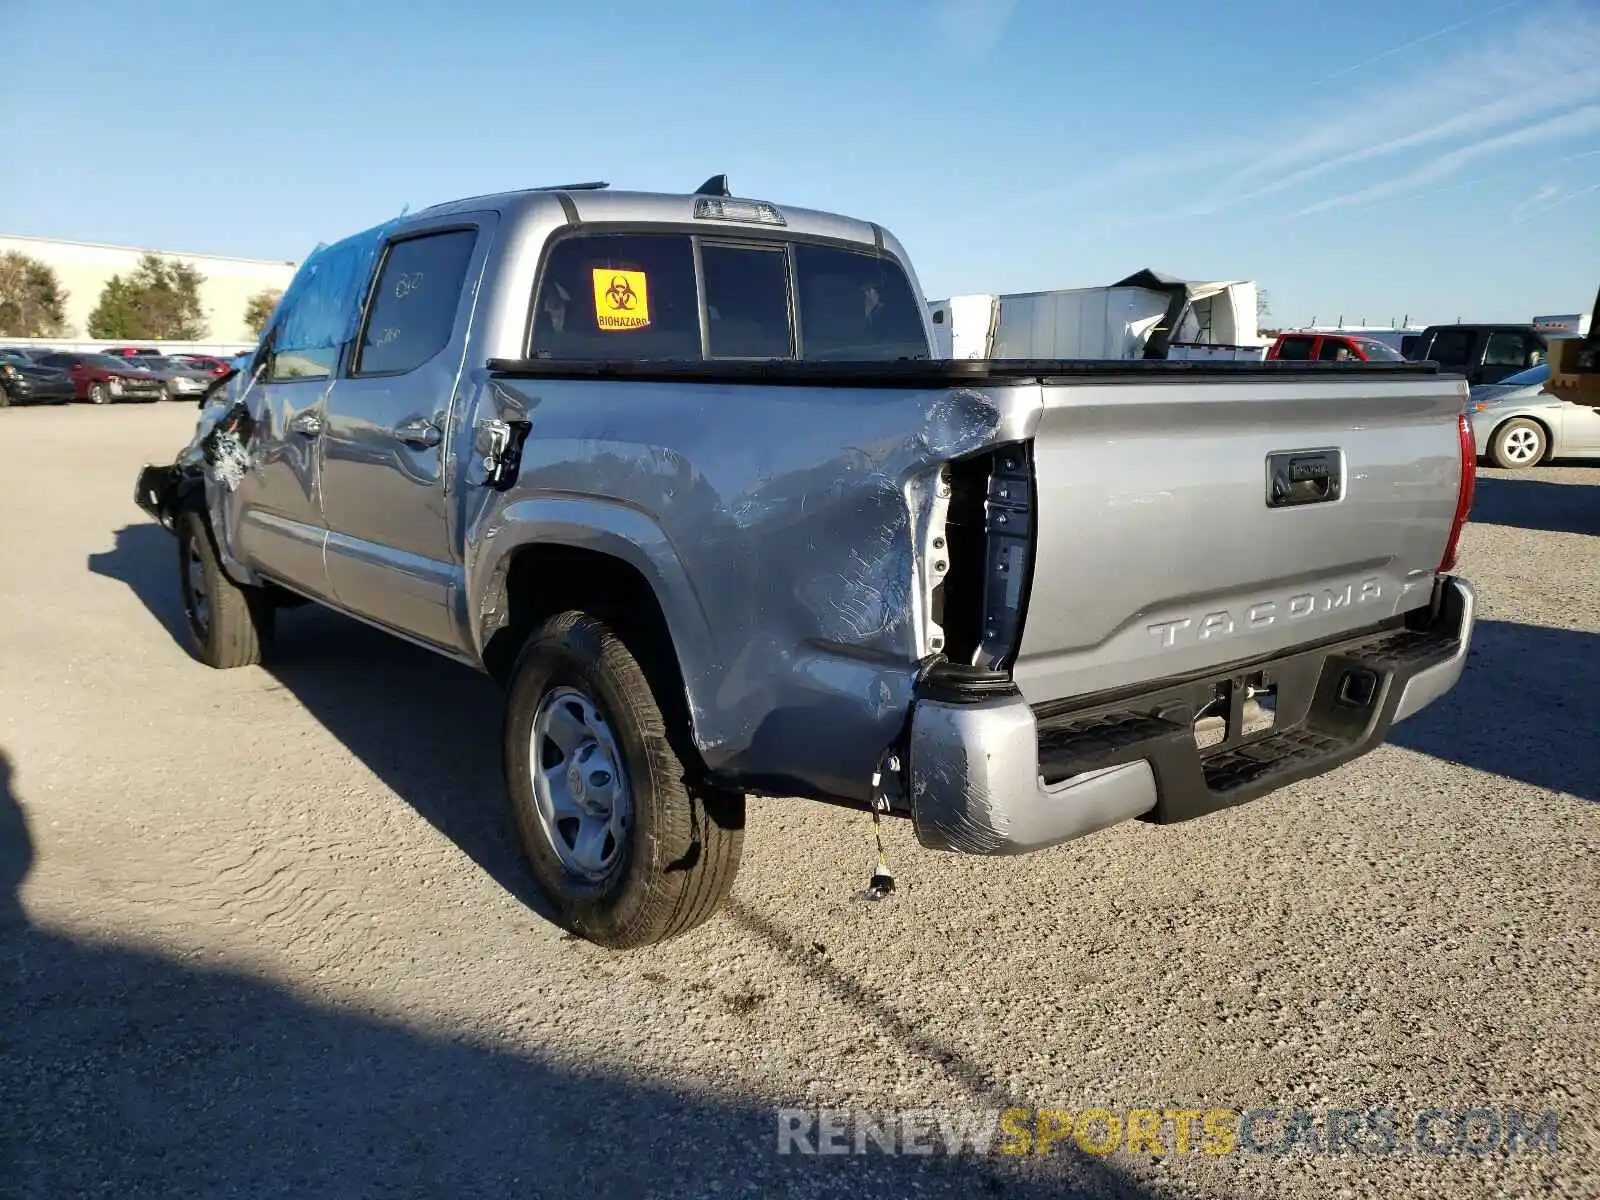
{"points": [[99, 394], [627, 848], [1518, 443], [229, 625]]}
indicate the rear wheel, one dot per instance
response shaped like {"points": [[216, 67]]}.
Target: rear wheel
{"points": [[1518, 443], [627, 848], [99, 394], [229, 625]]}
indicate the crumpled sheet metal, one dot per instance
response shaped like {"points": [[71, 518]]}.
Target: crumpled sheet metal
{"points": [[793, 519]]}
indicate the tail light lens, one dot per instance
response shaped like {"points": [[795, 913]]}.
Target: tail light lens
{"points": [[1469, 480]]}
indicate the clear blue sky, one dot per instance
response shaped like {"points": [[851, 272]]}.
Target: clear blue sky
{"points": [[1436, 159]]}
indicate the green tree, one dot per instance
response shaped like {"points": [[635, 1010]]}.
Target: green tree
{"points": [[259, 308], [159, 301], [116, 315], [32, 300]]}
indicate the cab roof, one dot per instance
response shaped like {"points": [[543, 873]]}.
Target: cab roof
{"points": [[584, 204]]}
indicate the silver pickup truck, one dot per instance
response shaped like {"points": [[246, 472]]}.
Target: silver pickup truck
{"points": [[680, 472]]}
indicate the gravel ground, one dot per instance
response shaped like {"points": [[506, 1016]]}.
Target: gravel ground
{"points": [[266, 932]]}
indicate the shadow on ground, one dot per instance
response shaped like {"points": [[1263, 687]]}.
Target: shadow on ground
{"points": [[1524, 709], [126, 1074], [1537, 504], [426, 726]]}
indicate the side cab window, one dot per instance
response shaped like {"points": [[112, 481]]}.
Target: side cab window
{"points": [[412, 311]]}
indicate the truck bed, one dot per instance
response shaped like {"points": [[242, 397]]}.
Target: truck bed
{"points": [[923, 373], [1158, 548]]}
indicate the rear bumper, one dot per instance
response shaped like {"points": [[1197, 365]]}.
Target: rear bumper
{"points": [[995, 776]]}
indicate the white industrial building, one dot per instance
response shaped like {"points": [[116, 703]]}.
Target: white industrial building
{"points": [[84, 268]]}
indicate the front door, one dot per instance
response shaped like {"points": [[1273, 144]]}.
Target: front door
{"points": [[391, 549], [1580, 429], [274, 510]]}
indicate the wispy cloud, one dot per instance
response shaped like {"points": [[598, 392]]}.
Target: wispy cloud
{"points": [[1577, 123], [970, 29], [1413, 44], [1524, 213], [1509, 88], [1535, 200]]}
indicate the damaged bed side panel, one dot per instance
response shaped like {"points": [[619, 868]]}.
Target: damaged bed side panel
{"points": [[784, 530]]}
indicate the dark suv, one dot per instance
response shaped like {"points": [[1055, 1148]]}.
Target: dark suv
{"points": [[1483, 353]]}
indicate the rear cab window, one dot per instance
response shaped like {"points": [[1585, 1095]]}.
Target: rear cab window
{"points": [[692, 297], [1296, 349]]}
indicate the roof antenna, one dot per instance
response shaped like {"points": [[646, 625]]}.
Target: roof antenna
{"points": [[717, 185]]}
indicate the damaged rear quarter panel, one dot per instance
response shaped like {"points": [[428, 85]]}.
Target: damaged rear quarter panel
{"points": [[779, 527]]}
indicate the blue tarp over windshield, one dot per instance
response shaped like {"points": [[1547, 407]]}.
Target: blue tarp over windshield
{"points": [[321, 307]]}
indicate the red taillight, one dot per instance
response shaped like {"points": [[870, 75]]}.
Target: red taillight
{"points": [[1469, 480]]}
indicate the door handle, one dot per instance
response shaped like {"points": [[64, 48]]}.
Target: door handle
{"points": [[307, 424], [419, 432]]}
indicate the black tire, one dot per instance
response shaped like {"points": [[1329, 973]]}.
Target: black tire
{"points": [[166, 392], [5, 398], [1518, 444], [99, 394], [233, 625], [677, 861]]}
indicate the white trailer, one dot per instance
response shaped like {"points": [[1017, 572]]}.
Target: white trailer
{"points": [[1146, 315]]}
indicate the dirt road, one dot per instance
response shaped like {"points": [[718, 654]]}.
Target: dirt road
{"points": [[266, 932]]}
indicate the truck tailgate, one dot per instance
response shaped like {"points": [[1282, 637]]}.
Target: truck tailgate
{"points": [[1189, 523]]}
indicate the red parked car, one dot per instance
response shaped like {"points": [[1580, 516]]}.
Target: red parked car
{"points": [[1332, 347], [100, 379], [204, 362], [129, 351]]}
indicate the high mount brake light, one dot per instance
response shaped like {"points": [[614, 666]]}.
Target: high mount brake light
{"points": [[755, 212]]}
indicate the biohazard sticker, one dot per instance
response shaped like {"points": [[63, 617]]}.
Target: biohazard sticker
{"points": [[621, 299]]}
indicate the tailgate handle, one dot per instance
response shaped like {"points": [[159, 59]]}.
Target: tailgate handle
{"points": [[1296, 477]]}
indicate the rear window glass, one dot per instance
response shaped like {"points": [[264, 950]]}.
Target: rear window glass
{"points": [[634, 296], [856, 306], [747, 302], [618, 296]]}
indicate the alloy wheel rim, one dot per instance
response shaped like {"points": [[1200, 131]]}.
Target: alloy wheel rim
{"points": [[1521, 445], [581, 794]]}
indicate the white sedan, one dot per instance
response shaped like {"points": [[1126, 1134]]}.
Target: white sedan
{"points": [[1517, 423]]}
